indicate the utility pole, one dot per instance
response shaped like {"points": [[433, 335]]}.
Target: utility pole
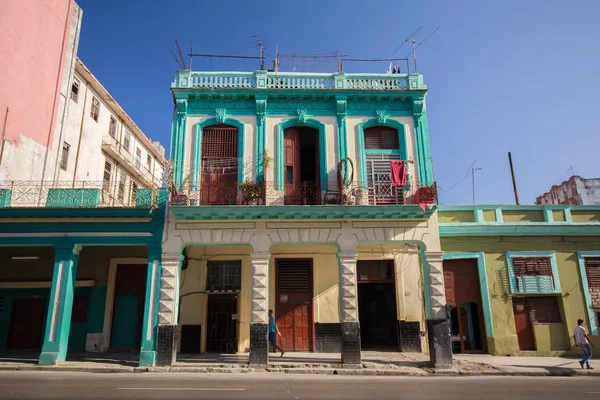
{"points": [[416, 70], [512, 174], [473, 176], [262, 56]]}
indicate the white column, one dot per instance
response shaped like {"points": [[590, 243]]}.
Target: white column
{"points": [[259, 319]]}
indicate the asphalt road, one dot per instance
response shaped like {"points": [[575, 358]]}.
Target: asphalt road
{"points": [[67, 385]]}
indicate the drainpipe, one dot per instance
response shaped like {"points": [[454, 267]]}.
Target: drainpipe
{"points": [[87, 84], [3, 135]]}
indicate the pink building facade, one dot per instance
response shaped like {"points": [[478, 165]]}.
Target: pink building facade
{"points": [[575, 191], [39, 49]]}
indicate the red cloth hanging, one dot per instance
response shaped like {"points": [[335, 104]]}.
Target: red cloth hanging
{"points": [[398, 172]]}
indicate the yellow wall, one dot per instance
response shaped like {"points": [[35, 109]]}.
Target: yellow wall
{"points": [[456, 216], [585, 216], [572, 300], [522, 215]]}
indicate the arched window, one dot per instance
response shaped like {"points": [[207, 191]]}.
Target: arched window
{"points": [[381, 148], [219, 171]]}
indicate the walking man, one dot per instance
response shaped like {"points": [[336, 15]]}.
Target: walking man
{"points": [[583, 342], [274, 332]]}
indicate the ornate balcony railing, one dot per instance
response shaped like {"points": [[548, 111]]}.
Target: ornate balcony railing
{"points": [[187, 79], [133, 164], [307, 193], [26, 194]]}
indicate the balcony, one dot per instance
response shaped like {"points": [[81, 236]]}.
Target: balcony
{"points": [[264, 201], [35, 194], [128, 161], [186, 79]]}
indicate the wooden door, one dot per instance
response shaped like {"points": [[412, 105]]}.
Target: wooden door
{"points": [[449, 285], [523, 325], [27, 325], [291, 166], [218, 179], [293, 313], [128, 313]]}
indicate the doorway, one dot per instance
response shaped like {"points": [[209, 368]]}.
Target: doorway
{"points": [[294, 297], [128, 314], [222, 323], [219, 173], [523, 324], [465, 312], [27, 324], [301, 166], [377, 305]]}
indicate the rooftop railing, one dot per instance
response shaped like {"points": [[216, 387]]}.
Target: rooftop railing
{"points": [[297, 80]]}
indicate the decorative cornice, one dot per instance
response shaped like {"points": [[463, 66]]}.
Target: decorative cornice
{"points": [[342, 109], [418, 108], [181, 105], [381, 116]]}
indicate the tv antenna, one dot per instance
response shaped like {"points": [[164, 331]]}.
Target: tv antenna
{"points": [[178, 55], [408, 38], [262, 51], [415, 45], [572, 169]]}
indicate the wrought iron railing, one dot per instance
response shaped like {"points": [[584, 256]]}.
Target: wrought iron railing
{"points": [[306, 193], [296, 80], [22, 194], [110, 144]]}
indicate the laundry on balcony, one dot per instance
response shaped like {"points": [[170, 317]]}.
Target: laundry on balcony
{"points": [[398, 172]]}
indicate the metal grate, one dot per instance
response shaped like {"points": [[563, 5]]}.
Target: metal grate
{"points": [[219, 142], [224, 275], [294, 275], [543, 310], [592, 269], [381, 138], [379, 180]]}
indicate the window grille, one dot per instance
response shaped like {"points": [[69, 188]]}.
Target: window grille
{"points": [[224, 275]]}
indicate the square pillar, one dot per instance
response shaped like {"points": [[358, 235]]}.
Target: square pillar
{"points": [[438, 332], [350, 325], [166, 338], [259, 318], [60, 306], [151, 305]]}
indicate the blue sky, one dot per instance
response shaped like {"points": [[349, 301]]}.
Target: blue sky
{"points": [[516, 75]]}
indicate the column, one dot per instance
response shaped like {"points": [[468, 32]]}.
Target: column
{"points": [[178, 141], [60, 306], [440, 351], [349, 309], [151, 305], [259, 319], [261, 137], [166, 337], [424, 164]]}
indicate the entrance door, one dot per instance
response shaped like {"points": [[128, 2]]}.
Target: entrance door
{"points": [[27, 325], [377, 304], [219, 185], [463, 296], [128, 314], [301, 166], [222, 323], [293, 312], [523, 325]]}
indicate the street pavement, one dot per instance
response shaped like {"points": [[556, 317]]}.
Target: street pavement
{"points": [[76, 385]]}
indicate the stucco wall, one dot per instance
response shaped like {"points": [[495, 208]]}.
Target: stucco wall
{"points": [[572, 301]]}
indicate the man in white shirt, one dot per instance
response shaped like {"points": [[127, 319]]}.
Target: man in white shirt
{"points": [[583, 342]]}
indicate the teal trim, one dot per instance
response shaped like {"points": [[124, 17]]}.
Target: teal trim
{"points": [[479, 215], [97, 302], [527, 207], [485, 292], [196, 158], [518, 229], [5, 196], [60, 306], [261, 137], [178, 138], [581, 256], [498, 211], [198, 148], [73, 198], [548, 217], [568, 217], [215, 213], [151, 309], [512, 278], [422, 145], [362, 152], [279, 164], [383, 151]]}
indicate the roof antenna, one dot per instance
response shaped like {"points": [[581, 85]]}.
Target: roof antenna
{"points": [[178, 56], [414, 49], [262, 53]]}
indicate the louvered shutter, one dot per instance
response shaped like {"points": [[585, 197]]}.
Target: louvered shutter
{"points": [[544, 310], [592, 269], [381, 138], [533, 274], [294, 275]]}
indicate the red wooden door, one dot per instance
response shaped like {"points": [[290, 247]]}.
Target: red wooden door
{"points": [[523, 325], [291, 166], [219, 174], [449, 284], [27, 323], [294, 304]]}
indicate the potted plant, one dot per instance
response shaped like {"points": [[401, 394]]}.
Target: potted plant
{"points": [[251, 191]]}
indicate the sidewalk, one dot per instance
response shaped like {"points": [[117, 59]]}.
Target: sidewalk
{"points": [[373, 363]]}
